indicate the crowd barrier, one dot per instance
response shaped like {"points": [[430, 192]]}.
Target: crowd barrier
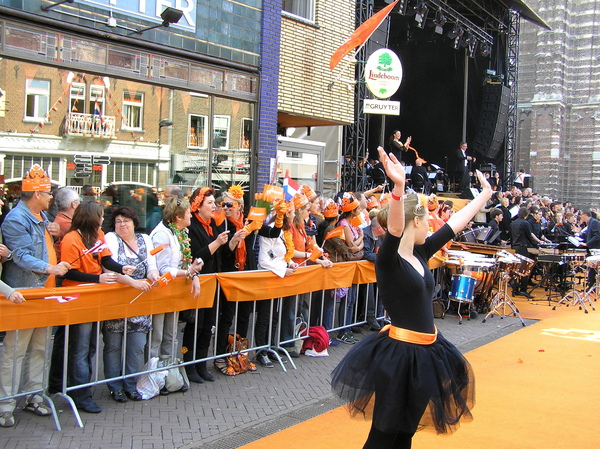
{"points": [[65, 306]]}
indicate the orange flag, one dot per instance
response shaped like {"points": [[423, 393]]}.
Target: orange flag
{"points": [[357, 221], [315, 254], [271, 193], [158, 249], [164, 279], [219, 216], [360, 35], [257, 213], [337, 232]]}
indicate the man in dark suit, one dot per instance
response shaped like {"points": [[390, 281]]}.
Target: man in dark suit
{"points": [[591, 237], [462, 167], [521, 238], [419, 180]]}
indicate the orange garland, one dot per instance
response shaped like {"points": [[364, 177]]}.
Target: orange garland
{"points": [[289, 245]]}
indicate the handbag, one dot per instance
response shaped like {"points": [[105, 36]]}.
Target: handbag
{"points": [[238, 363], [355, 256]]}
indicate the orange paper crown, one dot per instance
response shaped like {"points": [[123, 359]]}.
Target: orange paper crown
{"points": [[308, 191], [300, 200], [331, 210], [36, 180], [349, 202], [372, 203]]}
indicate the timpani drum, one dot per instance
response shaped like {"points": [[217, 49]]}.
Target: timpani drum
{"points": [[525, 265]]}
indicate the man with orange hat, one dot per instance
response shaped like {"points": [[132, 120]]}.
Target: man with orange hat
{"points": [[27, 234]]}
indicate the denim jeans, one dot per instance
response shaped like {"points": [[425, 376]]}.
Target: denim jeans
{"points": [[287, 306], [322, 304], [82, 348], [113, 358], [346, 310]]}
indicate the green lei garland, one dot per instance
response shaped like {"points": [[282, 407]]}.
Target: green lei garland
{"points": [[184, 244]]}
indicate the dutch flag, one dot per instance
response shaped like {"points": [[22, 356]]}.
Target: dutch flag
{"points": [[290, 187]]}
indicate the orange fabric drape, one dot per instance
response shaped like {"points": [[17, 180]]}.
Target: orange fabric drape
{"points": [[99, 302], [365, 272], [257, 285]]}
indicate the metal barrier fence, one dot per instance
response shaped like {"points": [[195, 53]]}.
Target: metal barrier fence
{"points": [[313, 295]]}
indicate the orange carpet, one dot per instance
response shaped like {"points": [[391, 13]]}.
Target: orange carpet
{"points": [[536, 388]]}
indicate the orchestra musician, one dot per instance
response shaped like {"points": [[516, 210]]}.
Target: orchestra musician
{"points": [[523, 244]]}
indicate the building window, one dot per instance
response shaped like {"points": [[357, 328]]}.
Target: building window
{"points": [[301, 8], [77, 98], [221, 137], [133, 110], [18, 166], [246, 133], [197, 131], [37, 99], [137, 172], [96, 100]]}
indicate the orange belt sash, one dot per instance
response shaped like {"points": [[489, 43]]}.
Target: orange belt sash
{"points": [[418, 338]]}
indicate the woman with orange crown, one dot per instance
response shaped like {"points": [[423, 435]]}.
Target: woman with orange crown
{"points": [[206, 240], [408, 376]]}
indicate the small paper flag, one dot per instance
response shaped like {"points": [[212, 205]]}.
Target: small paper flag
{"points": [[337, 232], [164, 279], [315, 254], [219, 216], [257, 213]]}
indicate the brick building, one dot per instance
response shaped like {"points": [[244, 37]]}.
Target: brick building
{"points": [[559, 101]]}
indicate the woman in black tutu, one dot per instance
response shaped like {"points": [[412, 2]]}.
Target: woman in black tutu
{"points": [[408, 377]]}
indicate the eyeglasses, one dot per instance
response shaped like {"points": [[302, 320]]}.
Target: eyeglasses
{"points": [[122, 222], [227, 204], [47, 193]]}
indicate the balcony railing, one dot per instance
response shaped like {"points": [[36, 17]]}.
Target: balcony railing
{"points": [[90, 125]]}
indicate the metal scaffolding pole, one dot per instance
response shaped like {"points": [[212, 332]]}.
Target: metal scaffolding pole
{"points": [[514, 24]]}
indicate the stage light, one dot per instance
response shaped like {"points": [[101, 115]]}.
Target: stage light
{"points": [[439, 21], [456, 32], [169, 16], [421, 11], [486, 51]]}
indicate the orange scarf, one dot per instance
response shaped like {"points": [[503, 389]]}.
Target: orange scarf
{"points": [[240, 251], [205, 224]]}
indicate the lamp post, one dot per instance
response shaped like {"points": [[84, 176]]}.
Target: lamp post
{"points": [[164, 123]]}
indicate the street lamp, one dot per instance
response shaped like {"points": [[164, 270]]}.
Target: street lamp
{"points": [[164, 123]]}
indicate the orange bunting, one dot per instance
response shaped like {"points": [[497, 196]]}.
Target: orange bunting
{"points": [[219, 216], [337, 232], [164, 279]]}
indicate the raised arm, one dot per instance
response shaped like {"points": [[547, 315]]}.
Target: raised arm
{"points": [[459, 220], [395, 171]]}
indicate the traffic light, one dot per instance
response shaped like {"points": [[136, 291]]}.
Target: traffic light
{"points": [[101, 160]]}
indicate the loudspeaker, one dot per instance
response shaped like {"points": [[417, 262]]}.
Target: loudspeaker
{"points": [[492, 121]]}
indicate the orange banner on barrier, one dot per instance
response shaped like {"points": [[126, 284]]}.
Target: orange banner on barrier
{"points": [[100, 302], [257, 285], [365, 272]]}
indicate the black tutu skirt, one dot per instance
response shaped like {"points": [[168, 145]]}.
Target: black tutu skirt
{"points": [[405, 387]]}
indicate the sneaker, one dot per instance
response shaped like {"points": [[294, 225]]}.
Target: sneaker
{"points": [[273, 358], [119, 396], [7, 419], [346, 338], [353, 337], [38, 408], [263, 360], [333, 343]]}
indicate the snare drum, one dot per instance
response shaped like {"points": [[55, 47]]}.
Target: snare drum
{"points": [[593, 262], [525, 265], [463, 288], [574, 257]]}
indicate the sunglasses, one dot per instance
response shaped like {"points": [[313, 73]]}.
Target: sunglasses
{"points": [[227, 204]]}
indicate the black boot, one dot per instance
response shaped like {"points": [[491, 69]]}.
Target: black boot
{"points": [[193, 374], [203, 372]]}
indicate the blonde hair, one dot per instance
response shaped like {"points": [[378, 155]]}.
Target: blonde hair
{"points": [[415, 205], [240, 201], [175, 207]]}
